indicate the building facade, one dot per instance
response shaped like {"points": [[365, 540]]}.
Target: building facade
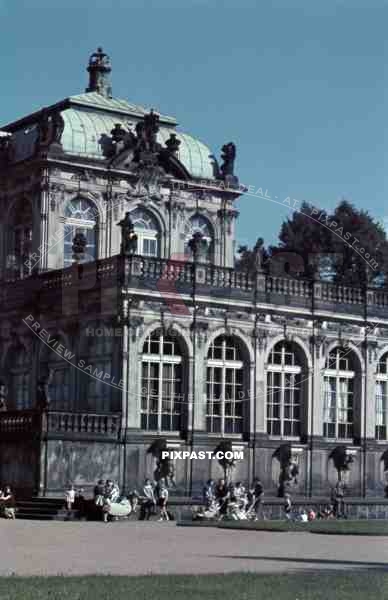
{"points": [[167, 340]]}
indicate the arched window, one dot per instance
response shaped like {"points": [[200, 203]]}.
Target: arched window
{"points": [[147, 231], [198, 223], [80, 216], [59, 386], [225, 387], [382, 398], [339, 390], [284, 390], [19, 378], [161, 383]]}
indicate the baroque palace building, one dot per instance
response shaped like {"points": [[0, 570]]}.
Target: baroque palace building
{"points": [[142, 328]]}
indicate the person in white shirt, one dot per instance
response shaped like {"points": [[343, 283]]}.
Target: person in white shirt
{"points": [[162, 502], [70, 497]]}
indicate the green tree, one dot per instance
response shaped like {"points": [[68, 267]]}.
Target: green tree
{"points": [[348, 244]]}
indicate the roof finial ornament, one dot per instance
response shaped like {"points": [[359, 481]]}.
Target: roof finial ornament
{"points": [[99, 69]]}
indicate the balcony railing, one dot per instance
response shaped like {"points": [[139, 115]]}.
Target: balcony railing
{"points": [[31, 422], [19, 422], [100, 424], [163, 274]]}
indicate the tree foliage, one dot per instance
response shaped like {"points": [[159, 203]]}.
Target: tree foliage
{"points": [[348, 246]]}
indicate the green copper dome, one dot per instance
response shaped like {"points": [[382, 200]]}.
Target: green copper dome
{"points": [[91, 116]]}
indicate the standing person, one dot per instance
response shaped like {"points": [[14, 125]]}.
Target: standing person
{"points": [[70, 497], [8, 501], [339, 503], [148, 503], [240, 495], [287, 506], [99, 493], [108, 488], [208, 493], [162, 502], [258, 494], [222, 495]]}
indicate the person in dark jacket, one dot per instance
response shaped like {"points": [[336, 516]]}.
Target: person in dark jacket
{"points": [[222, 495]]}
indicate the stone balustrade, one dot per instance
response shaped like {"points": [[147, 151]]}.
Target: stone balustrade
{"points": [[158, 274], [30, 422]]}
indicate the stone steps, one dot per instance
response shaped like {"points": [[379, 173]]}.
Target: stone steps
{"points": [[44, 509]]}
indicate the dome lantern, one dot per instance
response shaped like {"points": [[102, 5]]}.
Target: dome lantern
{"points": [[99, 69]]}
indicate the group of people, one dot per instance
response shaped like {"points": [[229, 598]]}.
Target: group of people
{"points": [[235, 501], [107, 490], [7, 503], [233, 498], [154, 494]]}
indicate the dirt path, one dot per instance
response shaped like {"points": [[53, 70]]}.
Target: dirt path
{"points": [[135, 548]]}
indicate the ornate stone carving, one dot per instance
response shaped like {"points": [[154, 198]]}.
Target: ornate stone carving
{"points": [[56, 192], [218, 313], [372, 351], [201, 331], [237, 315], [342, 459], [289, 469], [261, 336], [227, 216]]}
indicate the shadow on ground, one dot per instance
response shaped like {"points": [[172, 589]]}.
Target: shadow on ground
{"points": [[317, 561]]}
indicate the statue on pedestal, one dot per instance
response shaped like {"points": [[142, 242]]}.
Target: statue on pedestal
{"points": [[128, 235], [227, 168]]}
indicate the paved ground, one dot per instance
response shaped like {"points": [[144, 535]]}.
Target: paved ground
{"points": [[134, 548]]}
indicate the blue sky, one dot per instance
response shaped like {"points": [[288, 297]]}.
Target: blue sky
{"points": [[299, 85]]}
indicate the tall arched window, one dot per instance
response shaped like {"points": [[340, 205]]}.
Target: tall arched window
{"points": [[147, 231], [19, 378], [59, 386], [198, 223], [80, 216], [161, 383], [339, 391], [225, 387], [284, 390], [382, 398]]}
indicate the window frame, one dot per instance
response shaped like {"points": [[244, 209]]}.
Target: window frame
{"points": [[226, 366], [285, 368], [168, 406], [335, 428]]}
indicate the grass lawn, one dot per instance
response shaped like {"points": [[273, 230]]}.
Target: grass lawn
{"points": [[304, 586], [340, 527]]}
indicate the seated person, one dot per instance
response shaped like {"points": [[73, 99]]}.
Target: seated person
{"points": [[303, 517], [133, 498]]}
